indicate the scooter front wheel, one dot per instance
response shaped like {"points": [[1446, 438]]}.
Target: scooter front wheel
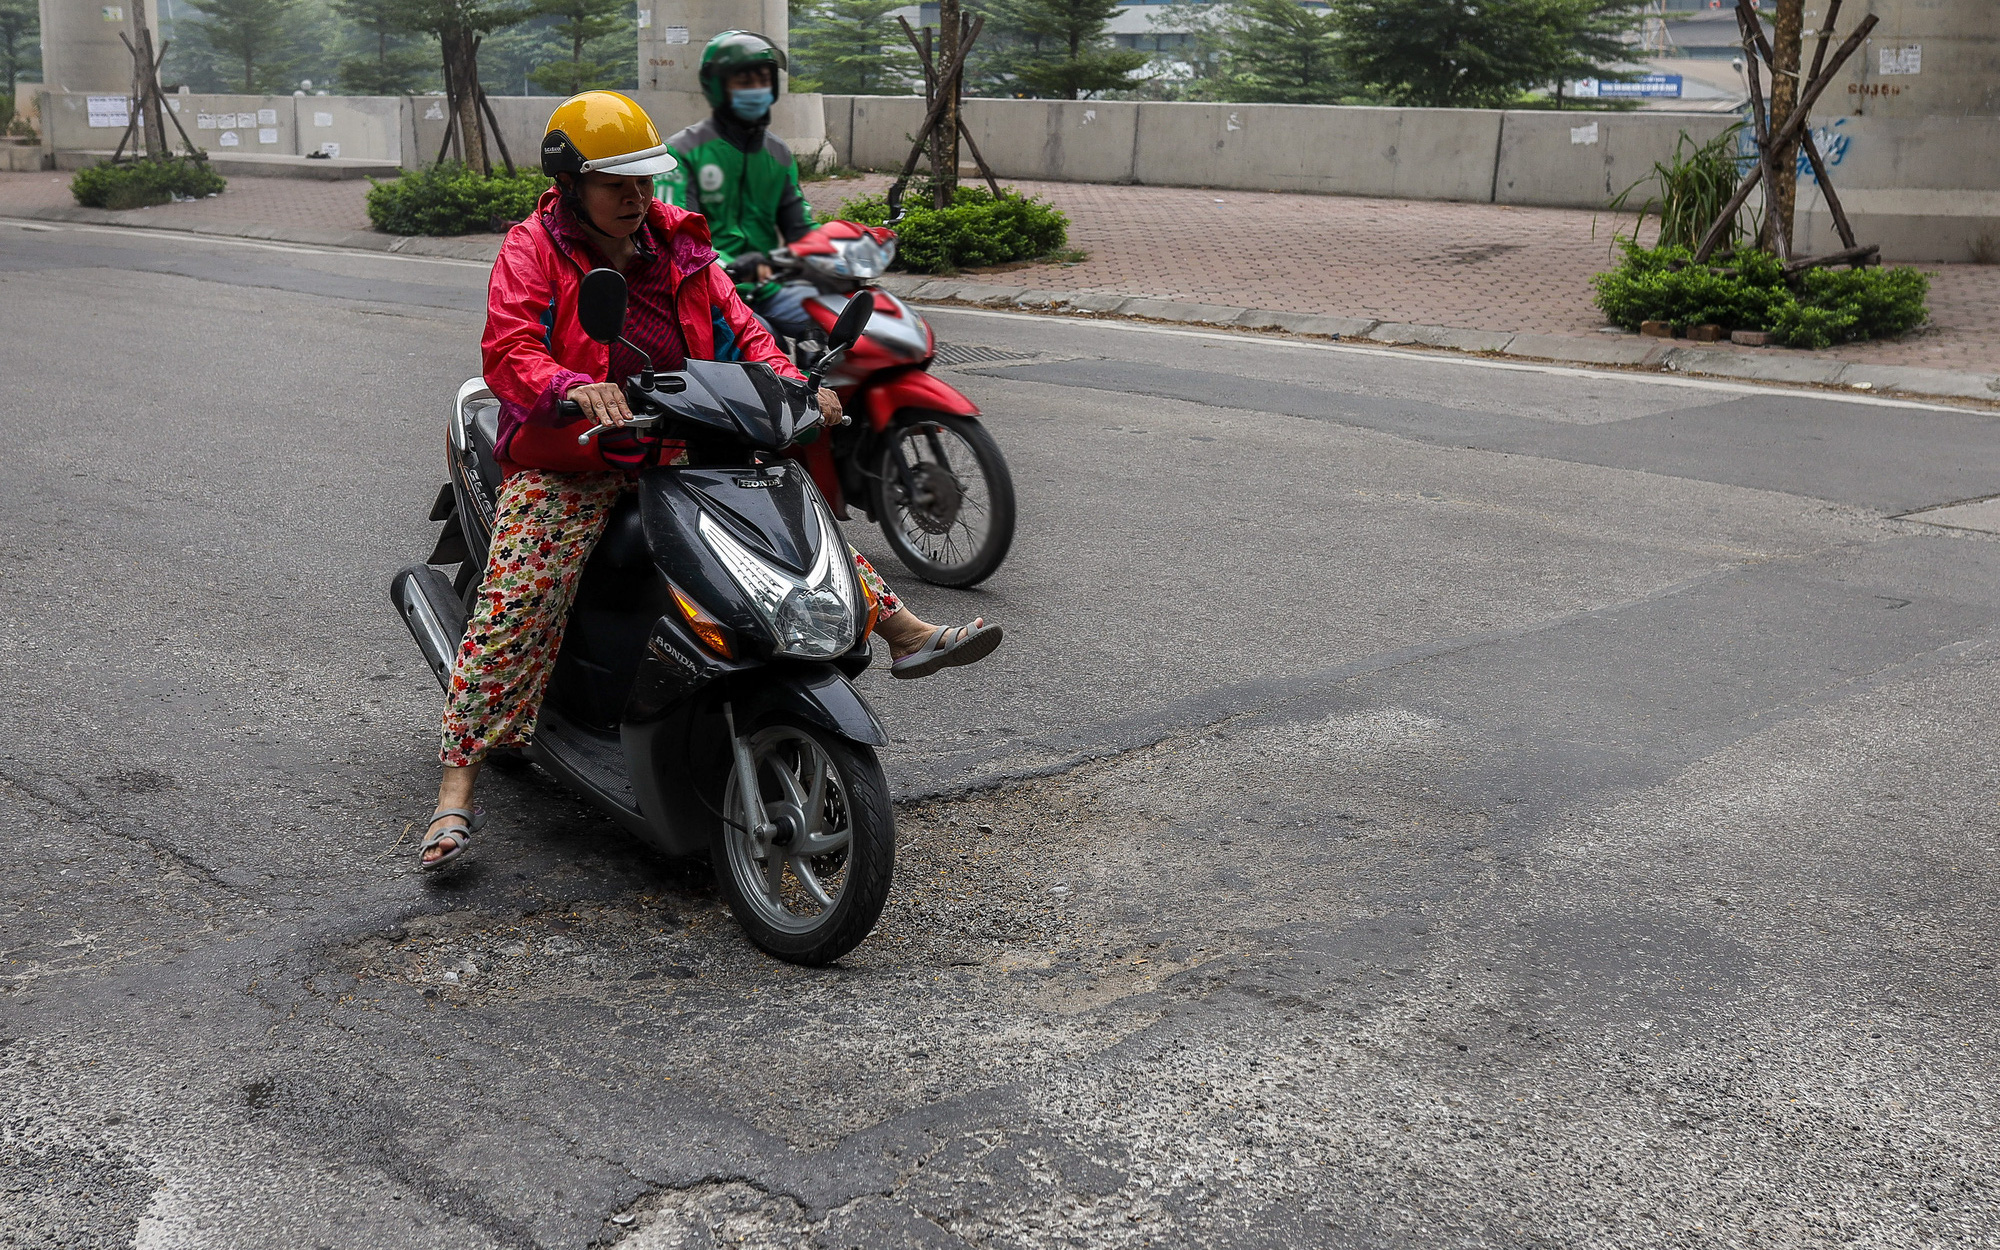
{"points": [[944, 498], [809, 885]]}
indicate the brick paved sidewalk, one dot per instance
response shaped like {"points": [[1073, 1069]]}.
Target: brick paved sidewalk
{"points": [[1474, 266], [1428, 262]]}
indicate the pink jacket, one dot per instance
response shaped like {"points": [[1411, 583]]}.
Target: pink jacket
{"points": [[534, 349]]}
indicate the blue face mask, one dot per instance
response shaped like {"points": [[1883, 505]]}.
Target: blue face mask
{"points": [[751, 103]]}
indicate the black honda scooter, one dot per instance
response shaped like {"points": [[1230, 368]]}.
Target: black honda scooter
{"points": [[701, 695]]}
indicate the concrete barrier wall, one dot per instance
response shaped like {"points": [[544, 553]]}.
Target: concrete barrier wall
{"points": [[1582, 160], [1517, 157], [364, 127], [1566, 158], [800, 120], [1432, 154]]}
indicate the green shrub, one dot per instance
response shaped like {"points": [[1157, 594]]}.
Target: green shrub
{"points": [[976, 230], [135, 184], [450, 199], [1748, 290]]}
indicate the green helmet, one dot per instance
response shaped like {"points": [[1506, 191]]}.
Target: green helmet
{"points": [[733, 51]]}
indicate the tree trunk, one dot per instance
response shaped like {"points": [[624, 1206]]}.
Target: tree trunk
{"points": [[462, 55], [1787, 33], [944, 184]]}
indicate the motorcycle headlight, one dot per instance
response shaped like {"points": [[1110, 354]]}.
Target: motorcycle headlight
{"points": [[813, 617], [865, 259], [834, 266]]}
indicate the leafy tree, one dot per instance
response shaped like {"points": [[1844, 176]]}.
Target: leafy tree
{"points": [[1595, 43], [1051, 48], [20, 49], [1469, 53], [1278, 52], [257, 36], [583, 23], [850, 47], [458, 26], [388, 64]]}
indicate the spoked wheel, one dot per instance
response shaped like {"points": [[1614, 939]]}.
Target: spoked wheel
{"points": [[810, 885], [944, 498]]}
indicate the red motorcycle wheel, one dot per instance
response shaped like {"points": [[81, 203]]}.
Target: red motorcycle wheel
{"points": [[941, 492]]}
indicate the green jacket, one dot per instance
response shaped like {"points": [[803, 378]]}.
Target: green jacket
{"points": [[744, 181]]}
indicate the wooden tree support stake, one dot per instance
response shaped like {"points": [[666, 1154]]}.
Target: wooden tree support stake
{"points": [[1851, 256], [940, 100], [1785, 134], [1806, 139]]}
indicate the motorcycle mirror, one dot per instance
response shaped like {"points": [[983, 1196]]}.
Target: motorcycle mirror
{"points": [[600, 305], [847, 330]]}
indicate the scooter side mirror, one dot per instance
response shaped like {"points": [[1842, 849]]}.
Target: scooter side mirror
{"points": [[853, 318], [600, 305]]}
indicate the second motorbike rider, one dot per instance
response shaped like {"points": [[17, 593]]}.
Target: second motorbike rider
{"points": [[741, 177], [604, 152]]}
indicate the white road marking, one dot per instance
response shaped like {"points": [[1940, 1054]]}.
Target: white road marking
{"points": [[1470, 362], [189, 236]]}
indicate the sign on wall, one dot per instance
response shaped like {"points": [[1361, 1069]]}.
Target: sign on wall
{"points": [[1644, 87], [108, 110]]}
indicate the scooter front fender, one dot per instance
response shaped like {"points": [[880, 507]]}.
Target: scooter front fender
{"points": [[913, 388], [818, 694]]}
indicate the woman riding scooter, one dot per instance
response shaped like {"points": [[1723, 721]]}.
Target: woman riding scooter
{"points": [[603, 152]]}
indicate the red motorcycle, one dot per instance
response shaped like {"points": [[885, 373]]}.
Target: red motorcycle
{"points": [[914, 456]]}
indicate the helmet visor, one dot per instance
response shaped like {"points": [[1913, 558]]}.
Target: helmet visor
{"points": [[649, 163]]}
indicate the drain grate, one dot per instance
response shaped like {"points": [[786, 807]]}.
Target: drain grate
{"points": [[974, 354]]}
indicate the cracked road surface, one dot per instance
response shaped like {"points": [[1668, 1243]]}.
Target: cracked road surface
{"points": [[1421, 802]]}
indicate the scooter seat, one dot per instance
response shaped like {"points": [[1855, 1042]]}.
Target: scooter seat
{"points": [[624, 543]]}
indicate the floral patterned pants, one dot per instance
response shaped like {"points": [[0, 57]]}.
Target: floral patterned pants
{"points": [[544, 528]]}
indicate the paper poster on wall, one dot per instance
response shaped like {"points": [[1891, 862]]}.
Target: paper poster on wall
{"points": [[268, 134], [645, 19], [329, 149], [107, 110], [267, 117], [113, 12], [322, 119], [245, 121], [677, 34], [1908, 59], [1583, 134], [229, 139], [204, 121], [435, 113]]}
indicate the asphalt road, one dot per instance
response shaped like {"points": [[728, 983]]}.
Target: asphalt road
{"points": [[1421, 802]]}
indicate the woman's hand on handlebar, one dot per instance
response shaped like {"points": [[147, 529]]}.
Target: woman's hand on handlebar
{"points": [[829, 405], [602, 402]]}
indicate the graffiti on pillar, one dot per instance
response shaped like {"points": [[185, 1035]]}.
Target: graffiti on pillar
{"points": [[1831, 140], [1832, 143]]}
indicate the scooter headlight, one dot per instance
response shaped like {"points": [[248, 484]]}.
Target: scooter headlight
{"points": [[813, 617]]}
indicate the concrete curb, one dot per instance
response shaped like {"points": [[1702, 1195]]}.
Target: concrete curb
{"points": [[1779, 365]]}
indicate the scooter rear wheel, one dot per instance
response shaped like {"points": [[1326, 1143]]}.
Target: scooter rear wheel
{"points": [[812, 888], [948, 507]]}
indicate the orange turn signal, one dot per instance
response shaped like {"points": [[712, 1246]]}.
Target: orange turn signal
{"points": [[705, 627], [874, 607]]}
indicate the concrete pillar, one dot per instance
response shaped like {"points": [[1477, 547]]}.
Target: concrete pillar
{"points": [[672, 34], [1927, 58], [1911, 128], [81, 51]]}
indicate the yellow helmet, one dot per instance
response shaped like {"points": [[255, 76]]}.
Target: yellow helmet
{"points": [[605, 132]]}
